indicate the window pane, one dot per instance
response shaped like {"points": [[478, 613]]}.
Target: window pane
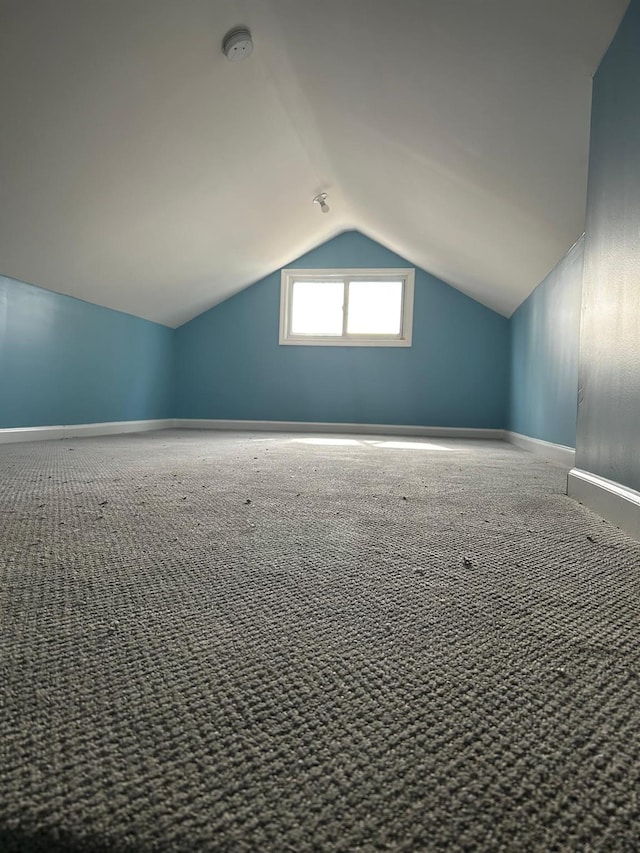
{"points": [[316, 308], [375, 308]]}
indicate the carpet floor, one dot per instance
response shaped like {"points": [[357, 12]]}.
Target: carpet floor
{"points": [[244, 642]]}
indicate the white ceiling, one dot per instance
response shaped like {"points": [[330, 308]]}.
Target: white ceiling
{"points": [[141, 170]]}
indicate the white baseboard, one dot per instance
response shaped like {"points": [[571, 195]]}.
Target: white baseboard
{"points": [[81, 430], [116, 427], [560, 453], [616, 503], [113, 427], [365, 429], [30, 433]]}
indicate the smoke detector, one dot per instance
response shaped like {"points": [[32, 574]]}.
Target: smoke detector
{"points": [[237, 44]]}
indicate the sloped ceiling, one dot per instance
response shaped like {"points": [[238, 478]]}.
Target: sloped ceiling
{"points": [[141, 170]]}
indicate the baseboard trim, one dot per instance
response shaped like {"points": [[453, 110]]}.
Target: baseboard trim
{"points": [[560, 453], [616, 503], [365, 429], [81, 430]]}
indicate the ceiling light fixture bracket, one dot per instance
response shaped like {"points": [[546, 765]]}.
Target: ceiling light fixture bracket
{"points": [[321, 201]]}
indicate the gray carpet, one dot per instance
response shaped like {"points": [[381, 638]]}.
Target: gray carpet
{"points": [[252, 642]]}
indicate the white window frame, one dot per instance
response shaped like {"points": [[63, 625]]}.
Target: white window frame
{"points": [[287, 278]]}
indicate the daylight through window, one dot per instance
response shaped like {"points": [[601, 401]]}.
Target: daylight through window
{"points": [[346, 307]]}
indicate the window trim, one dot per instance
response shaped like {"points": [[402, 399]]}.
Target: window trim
{"points": [[287, 278]]}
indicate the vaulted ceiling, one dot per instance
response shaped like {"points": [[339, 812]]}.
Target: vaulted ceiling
{"points": [[141, 170]]}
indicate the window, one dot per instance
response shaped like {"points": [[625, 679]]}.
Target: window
{"points": [[346, 307]]}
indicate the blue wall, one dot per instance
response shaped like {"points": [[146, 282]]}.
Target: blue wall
{"points": [[545, 343], [230, 365], [608, 441], [65, 361]]}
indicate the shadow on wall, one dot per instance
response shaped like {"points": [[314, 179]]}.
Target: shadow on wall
{"points": [[65, 361], [545, 344]]}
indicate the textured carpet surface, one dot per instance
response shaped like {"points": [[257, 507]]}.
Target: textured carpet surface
{"points": [[287, 643]]}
